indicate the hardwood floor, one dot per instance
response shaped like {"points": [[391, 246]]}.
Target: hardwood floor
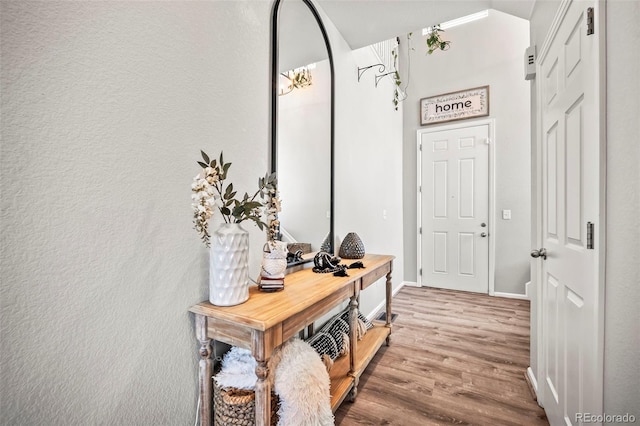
{"points": [[455, 358]]}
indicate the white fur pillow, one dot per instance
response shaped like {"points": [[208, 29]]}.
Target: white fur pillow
{"points": [[302, 383], [238, 370]]}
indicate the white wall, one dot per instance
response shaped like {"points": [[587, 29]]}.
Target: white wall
{"points": [[622, 289], [368, 162], [105, 106], [485, 52], [622, 293]]}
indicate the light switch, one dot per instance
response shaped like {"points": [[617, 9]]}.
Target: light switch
{"points": [[506, 214]]}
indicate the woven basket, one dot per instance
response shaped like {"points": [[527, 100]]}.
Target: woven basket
{"points": [[238, 407]]}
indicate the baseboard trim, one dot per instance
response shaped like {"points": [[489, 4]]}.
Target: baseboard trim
{"points": [[409, 284], [511, 295], [382, 304], [395, 291], [532, 383]]}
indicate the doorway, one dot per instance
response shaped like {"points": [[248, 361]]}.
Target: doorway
{"points": [[454, 209]]}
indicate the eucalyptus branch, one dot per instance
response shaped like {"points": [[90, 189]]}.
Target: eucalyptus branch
{"points": [[209, 191]]}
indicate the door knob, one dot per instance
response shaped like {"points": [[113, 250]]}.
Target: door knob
{"points": [[484, 234], [539, 253], [483, 224]]}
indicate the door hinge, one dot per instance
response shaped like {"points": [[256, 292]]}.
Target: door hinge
{"points": [[420, 189], [590, 21], [420, 272], [589, 236], [420, 231], [420, 146]]}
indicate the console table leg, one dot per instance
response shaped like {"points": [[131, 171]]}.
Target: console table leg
{"points": [[353, 337], [263, 395], [205, 371], [388, 304], [262, 346], [353, 393], [353, 333]]}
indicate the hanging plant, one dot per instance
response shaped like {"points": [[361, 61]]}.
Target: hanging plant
{"points": [[435, 41]]}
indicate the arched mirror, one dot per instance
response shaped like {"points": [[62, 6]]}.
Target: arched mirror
{"points": [[302, 123]]}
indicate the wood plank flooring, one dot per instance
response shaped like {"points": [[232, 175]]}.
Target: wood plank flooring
{"points": [[455, 358]]}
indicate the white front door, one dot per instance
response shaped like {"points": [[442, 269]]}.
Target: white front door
{"points": [[454, 208], [571, 300]]}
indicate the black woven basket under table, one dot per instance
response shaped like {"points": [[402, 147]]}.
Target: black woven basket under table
{"points": [[238, 407]]}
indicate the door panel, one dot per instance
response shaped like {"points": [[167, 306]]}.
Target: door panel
{"points": [[552, 183], [454, 204], [440, 251], [466, 190], [574, 173], [440, 189], [552, 352]]}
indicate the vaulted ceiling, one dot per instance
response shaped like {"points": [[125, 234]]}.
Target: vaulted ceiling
{"points": [[364, 22]]}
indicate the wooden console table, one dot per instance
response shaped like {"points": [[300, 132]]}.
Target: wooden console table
{"points": [[266, 320]]}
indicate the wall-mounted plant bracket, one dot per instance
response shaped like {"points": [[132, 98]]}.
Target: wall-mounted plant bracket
{"points": [[380, 77], [363, 69]]}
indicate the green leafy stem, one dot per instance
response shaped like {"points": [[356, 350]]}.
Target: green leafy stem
{"points": [[235, 210]]}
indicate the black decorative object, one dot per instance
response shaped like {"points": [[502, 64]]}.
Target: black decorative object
{"points": [[294, 257], [324, 263], [352, 247]]}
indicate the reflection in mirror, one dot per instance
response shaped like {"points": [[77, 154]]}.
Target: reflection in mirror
{"points": [[302, 120]]}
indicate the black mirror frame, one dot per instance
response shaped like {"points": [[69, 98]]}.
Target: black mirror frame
{"points": [[274, 101]]}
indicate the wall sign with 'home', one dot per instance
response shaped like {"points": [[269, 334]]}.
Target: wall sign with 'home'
{"points": [[468, 103]]}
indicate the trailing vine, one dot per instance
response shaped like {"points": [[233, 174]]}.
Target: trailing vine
{"points": [[396, 78], [434, 43]]}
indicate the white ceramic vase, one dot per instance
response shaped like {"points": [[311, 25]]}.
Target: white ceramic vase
{"points": [[229, 265]]}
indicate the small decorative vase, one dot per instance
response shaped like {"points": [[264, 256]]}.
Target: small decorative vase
{"points": [[274, 259], [229, 265], [351, 247]]}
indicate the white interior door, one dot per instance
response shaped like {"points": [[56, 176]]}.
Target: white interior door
{"points": [[571, 339], [454, 208]]}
